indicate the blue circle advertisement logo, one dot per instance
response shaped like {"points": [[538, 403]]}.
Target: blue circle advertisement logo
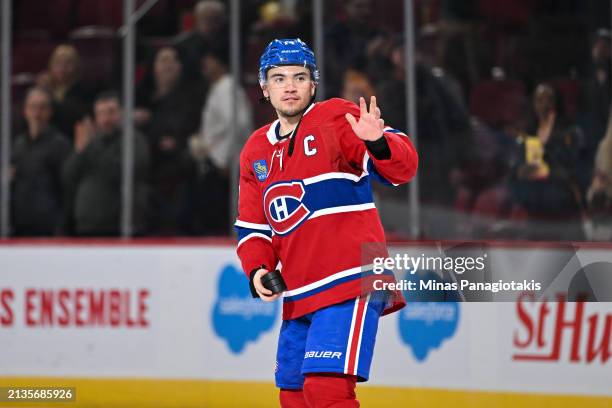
{"points": [[428, 319], [237, 317]]}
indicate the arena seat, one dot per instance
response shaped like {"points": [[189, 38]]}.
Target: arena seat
{"points": [[506, 12], [31, 55], [98, 48], [54, 16], [498, 102]]}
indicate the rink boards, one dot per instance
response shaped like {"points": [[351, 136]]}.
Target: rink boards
{"points": [[173, 325]]}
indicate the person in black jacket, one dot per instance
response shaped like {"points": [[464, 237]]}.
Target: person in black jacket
{"points": [[168, 109], [543, 180], [92, 174], [210, 24], [71, 98], [36, 160]]}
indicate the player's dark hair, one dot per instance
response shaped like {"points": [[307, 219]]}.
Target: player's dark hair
{"points": [[107, 96], [218, 51], [41, 90]]}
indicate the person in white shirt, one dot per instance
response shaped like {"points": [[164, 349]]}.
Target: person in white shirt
{"points": [[216, 141], [224, 127]]}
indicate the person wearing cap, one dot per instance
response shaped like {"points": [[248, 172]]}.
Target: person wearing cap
{"points": [[305, 207]]}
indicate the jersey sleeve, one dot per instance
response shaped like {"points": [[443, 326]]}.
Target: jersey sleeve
{"points": [[254, 233], [397, 164]]}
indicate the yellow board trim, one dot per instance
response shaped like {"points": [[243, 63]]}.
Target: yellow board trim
{"points": [[135, 393]]}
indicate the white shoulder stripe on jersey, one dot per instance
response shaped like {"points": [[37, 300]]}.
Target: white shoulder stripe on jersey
{"points": [[342, 209], [325, 281], [394, 131], [253, 235], [244, 224], [333, 175]]}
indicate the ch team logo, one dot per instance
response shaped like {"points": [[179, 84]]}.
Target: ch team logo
{"points": [[284, 206]]}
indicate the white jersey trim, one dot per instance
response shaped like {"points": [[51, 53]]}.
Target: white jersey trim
{"points": [[325, 281], [359, 339], [333, 175], [253, 235], [271, 133], [394, 131], [342, 209], [244, 224], [347, 354]]}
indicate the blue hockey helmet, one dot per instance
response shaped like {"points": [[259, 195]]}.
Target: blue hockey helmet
{"points": [[287, 52]]}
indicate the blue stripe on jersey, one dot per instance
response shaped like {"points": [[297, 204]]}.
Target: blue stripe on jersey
{"points": [[391, 130], [331, 284], [376, 175], [335, 192], [244, 232]]}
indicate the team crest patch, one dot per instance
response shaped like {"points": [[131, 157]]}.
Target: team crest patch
{"points": [[261, 170]]}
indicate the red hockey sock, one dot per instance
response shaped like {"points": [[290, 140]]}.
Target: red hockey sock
{"points": [[292, 399], [330, 391]]}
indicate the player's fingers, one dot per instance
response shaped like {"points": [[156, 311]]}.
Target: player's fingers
{"points": [[362, 106], [270, 298], [351, 119], [373, 104], [381, 123], [262, 290], [257, 283], [377, 113]]}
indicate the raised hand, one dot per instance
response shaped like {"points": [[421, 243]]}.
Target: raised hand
{"points": [[370, 126], [84, 132]]}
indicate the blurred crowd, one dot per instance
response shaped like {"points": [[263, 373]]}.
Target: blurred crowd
{"points": [[512, 106]]}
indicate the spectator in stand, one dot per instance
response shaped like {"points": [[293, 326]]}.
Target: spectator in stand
{"points": [[168, 112], [209, 27], [356, 84], [599, 196], [92, 174], [275, 20], [37, 159], [443, 124], [347, 41], [216, 148], [595, 103], [544, 179], [70, 98]]}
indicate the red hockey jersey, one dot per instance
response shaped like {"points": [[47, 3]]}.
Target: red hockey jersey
{"points": [[312, 210]]}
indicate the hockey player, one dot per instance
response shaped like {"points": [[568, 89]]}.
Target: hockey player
{"points": [[306, 207]]}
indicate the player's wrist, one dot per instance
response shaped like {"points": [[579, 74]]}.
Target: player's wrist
{"points": [[252, 276], [379, 148]]}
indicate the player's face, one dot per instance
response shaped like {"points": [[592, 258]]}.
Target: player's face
{"points": [[290, 89]]}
